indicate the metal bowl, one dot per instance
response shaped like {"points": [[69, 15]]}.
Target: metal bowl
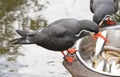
{"points": [[86, 49]]}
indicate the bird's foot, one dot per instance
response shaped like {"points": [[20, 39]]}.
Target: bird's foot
{"points": [[71, 51], [69, 59]]}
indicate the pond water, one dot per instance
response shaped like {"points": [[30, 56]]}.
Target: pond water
{"points": [[37, 61]]}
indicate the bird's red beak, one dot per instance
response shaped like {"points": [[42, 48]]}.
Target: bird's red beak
{"points": [[99, 35]]}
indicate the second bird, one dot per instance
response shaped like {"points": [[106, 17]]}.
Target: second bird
{"points": [[101, 8]]}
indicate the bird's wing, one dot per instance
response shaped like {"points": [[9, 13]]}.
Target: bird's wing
{"points": [[91, 6], [116, 5], [59, 32]]}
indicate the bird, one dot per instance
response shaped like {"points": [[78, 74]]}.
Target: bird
{"points": [[60, 35], [101, 8]]}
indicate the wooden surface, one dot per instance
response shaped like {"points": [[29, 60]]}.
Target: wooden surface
{"points": [[77, 69]]}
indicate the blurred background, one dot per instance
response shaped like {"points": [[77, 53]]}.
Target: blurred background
{"points": [[29, 15]]}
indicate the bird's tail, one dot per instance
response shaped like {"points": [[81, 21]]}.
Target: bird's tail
{"points": [[22, 33], [22, 40]]}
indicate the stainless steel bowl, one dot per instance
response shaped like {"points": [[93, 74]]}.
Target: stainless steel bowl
{"points": [[86, 49]]}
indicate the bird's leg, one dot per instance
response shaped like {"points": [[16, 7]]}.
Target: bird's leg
{"points": [[63, 53], [71, 51], [69, 59]]}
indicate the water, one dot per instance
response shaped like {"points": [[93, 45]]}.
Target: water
{"points": [[40, 62], [68, 9]]}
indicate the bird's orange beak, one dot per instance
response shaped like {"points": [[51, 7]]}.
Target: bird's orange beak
{"points": [[100, 35]]}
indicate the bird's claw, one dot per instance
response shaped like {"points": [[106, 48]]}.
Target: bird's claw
{"points": [[72, 50], [69, 59]]}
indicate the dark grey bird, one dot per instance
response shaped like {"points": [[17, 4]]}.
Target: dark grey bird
{"points": [[101, 8], [60, 35]]}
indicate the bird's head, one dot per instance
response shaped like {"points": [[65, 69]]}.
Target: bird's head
{"points": [[101, 12], [95, 34], [98, 16], [93, 29]]}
